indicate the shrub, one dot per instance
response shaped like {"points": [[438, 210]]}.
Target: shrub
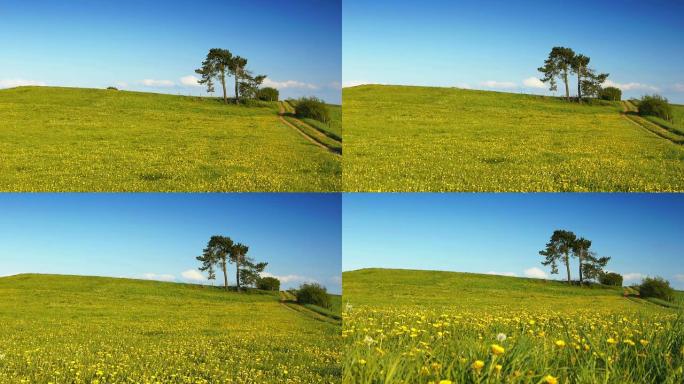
{"points": [[611, 94], [611, 278], [656, 287], [268, 94], [268, 284], [312, 108], [113, 88], [315, 294], [655, 105]]}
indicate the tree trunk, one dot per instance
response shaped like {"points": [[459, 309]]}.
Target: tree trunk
{"points": [[580, 267], [567, 266], [223, 83], [567, 89], [225, 275], [237, 91], [237, 271], [579, 86]]}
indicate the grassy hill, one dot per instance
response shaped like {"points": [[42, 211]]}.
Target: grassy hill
{"points": [[71, 139], [473, 291], [81, 329], [402, 138], [428, 326]]}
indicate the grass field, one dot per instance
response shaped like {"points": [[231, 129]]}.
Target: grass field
{"points": [[403, 326], [68, 329], [70, 139], [400, 138]]}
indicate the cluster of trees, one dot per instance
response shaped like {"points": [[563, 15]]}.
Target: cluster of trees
{"points": [[221, 63], [222, 250], [562, 62], [565, 244], [312, 108], [655, 105], [313, 293]]}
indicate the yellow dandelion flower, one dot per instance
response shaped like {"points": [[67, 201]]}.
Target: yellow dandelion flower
{"points": [[498, 368], [362, 362], [445, 382], [643, 342], [560, 343], [628, 342], [497, 349], [477, 365], [611, 341], [548, 379]]}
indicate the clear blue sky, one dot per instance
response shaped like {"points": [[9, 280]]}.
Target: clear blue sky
{"points": [[157, 236], [497, 44], [123, 43], [503, 233]]}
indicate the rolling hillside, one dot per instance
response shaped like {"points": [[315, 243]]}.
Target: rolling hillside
{"points": [[71, 139], [476, 291], [402, 138], [428, 326], [92, 329]]}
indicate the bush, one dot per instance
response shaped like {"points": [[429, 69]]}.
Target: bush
{"points": [[611, 94], [656, 287], [268, 94], [655, 105], [268, 284], [113, 88], [611, 278], [312, 108], [315, 294]]}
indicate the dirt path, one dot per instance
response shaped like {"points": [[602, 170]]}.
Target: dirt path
{"points": [[629, 112], [309, 138], [288, 303]]}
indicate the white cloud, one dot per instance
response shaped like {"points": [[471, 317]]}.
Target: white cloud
{"points": [[679, 277], [190, 80], [122, 84], [533, 82], [498, 84], [630, 86], [678, 87], [353, 83], [502, 273], [634, 276], [288, 84], [158, 83], [193, 274], [291, 278], [161, 277], [536, 273], [11, 83]]}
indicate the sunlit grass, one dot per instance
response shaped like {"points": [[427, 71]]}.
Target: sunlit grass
{"points": [[62, 139], [65, 329], [436, 327], [401, 138]]}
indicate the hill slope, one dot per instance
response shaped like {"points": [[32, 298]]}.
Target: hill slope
{"points": [[57, 328], [472, 291], [71, 139], [400, 138], [428, 326]]}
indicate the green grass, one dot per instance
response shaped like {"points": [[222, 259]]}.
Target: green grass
{"points": [[70, 329], [401, 138], [315, 134], [333, 128], [70, 139], [403, 326]]}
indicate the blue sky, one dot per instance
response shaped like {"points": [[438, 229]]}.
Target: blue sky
{"points": [[157, 236], [155, 45], [499, 44], [503, 233]]}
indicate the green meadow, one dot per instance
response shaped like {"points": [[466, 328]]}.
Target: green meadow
{"points": [[74, 329], [405, 326], [71, 139], [404, 138]]}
